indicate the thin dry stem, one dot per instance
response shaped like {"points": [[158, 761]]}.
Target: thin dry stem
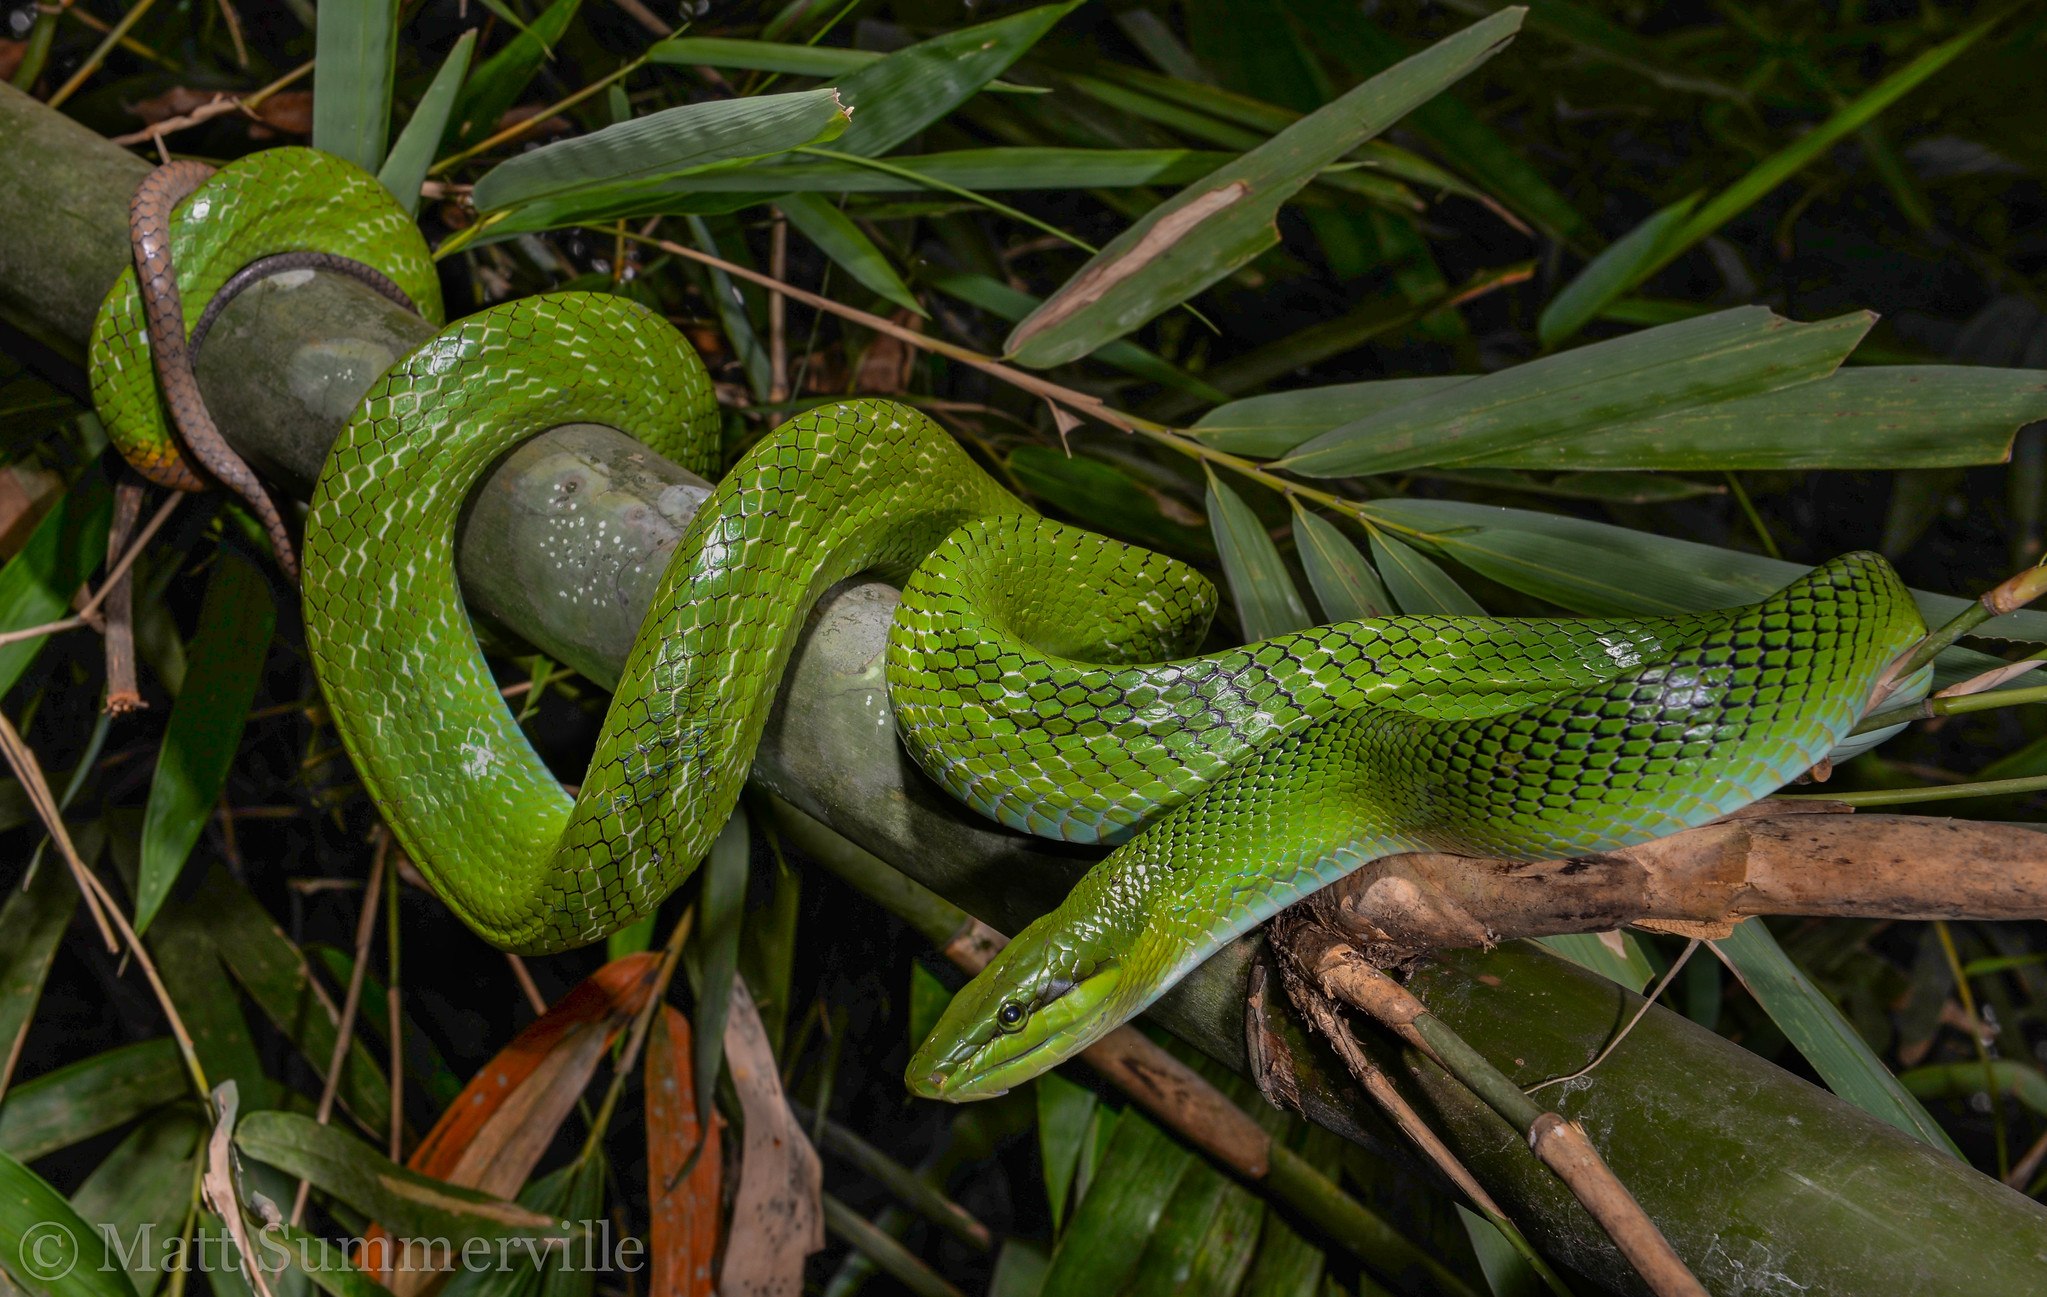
{"points": [[344, 1031]]}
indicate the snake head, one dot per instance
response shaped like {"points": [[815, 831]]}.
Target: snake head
{"points": [[1036, 1005]]}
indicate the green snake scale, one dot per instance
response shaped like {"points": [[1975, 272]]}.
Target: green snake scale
{"points": [[1047, 676]]}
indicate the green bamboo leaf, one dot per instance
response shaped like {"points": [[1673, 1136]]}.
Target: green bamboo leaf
{"points": [[1019, 1270], [190, 965], [2001, 1076], [31, 924], [1344, 582], [1137, 1176], [899, 95], [928, 998], [1417, 584], [720, 911], [1109, 499], [354, 47], [1610, 274], [37, 584], [1812, 145], [79, 1100], [1817, 1030], [505, 75], [848, 246], [275, 974], [761, 56], [1263, 590], [1564, 399], [1204, 1241], [1904, 416], [1219, 224], [1507, 1272], [1598, 569], [402, 1201], [1287, 1265], [731, 307], [769, 939], [321, 1262], [205, 729], [40, 1235], [404, 171], [1627, 966], [672, 142], [1065, 1118], [1274, 424], [136, 1197]]}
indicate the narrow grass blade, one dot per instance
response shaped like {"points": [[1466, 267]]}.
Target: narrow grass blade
{"points": [[40, 1233], [205, 729], [1816, 1028], [1812, 145], [1564, 399], [720, 911], [901, 94], [89, 1097], [31, 924], [672, 142], [1416, 583], [731, 307], [1611, 274], [354, 47], [1262, 589], [835, 235], [404, 171], [1213, 227], [505, 75], [1343, 580]]}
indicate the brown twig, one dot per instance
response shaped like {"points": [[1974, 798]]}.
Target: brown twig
{"points": [[344, 1030], [123, 693]]}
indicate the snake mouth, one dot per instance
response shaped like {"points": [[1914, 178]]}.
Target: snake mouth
{"points": [[968, 1058]]}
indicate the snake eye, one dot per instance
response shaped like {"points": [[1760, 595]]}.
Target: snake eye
{"points": [[1010, 1016]]}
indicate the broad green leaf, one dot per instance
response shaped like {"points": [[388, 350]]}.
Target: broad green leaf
{"points": [[136, 1197], [37, 584], [1136, 1178], [1274, 424], [1344, 582], [1809, 147], [31, 924], [2003, 1076], [1221, 223], [277, 977], [505, 75], [42, 1241], [1507, 1272], [354, 47], [1287, 1265], [1019, 1270], [835, 235], [83, 1099], [720, 911], [1204, 1241], [205, 729], [1610, 274], [1598, 569], [189, 963], [1735, 353], [899, 95], [403, 1202], [1416, 583], [404, 171], [1904, 416], [1109, 499], [1260, 586], [1627, 966], [1065, 1115], [1817, 1030], [660, 145]]}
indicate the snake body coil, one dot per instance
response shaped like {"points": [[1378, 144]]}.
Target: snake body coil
{"points": [[1044, 675]]}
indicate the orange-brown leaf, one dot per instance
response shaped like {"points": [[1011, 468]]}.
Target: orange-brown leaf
{"points": [[683, 1212]]}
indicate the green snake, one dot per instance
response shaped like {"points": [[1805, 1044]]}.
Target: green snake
{"points": [[1046, 676]]}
